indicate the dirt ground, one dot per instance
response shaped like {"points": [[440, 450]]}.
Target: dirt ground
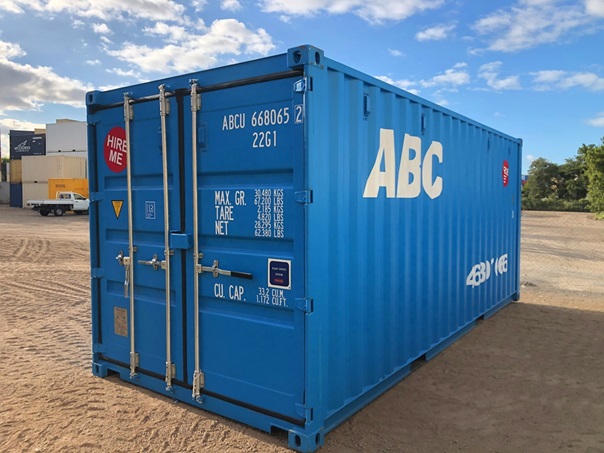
{"points": [[530, 379]]}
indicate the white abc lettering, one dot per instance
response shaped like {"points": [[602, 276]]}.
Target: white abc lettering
{"points": [[432, 188], [410, 167], [385, 178], [413, 172]]}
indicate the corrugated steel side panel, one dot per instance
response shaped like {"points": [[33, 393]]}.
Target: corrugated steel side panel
{"points": [[66, 136], [389, 276], [43, 168], [16, 174], [34, 191], [77, 185]]}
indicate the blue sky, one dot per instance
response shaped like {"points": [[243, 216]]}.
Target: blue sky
{"points": [[533, 69]]}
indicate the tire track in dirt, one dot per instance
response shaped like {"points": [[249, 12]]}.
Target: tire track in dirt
{"points": [[45, 292], [30, 250], [22, 247]]}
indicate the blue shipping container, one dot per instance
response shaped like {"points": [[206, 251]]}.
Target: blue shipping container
{"points": [[16, 195], [278, 241]]}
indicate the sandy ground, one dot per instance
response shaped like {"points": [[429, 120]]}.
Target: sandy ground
{"points": [[530, 379]]}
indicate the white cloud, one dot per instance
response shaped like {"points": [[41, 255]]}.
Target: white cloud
{"points": [[587, 80], [120, 72], [173, 33], [436, 33], [112, 86], [403, 84], [10, 50], [199, 5], [530, 157], [531, 23], [395, 52], [376, 11], [101, 29], [550, 76], [101, 9], [595, 7], [196, 51], [11, 6], [490, 73], [25, 87], [563, 80], [230, 5], [451, 78], [93, 62], [598, 121]]}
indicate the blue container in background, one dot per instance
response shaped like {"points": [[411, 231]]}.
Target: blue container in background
{"points": [[26, 143], [278, 241], [16, 195]]}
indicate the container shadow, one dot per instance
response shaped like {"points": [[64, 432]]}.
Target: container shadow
{"points": [[527, 379]]}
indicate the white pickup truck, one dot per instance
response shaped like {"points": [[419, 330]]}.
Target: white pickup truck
{"points": [[65, 201]]}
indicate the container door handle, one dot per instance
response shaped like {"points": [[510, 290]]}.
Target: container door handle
{"points": [[153, 262], [124, 261], [216, 271]]}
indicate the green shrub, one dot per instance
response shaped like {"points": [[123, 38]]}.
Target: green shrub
{"points": [[554, 204]]}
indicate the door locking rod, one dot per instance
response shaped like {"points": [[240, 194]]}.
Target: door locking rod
{"points": [[153, 262], [216, 271]]}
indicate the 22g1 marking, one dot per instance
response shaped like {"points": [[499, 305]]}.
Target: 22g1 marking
{"points": [[264, 139]]}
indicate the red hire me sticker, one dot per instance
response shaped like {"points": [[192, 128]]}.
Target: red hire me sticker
{"points": [[505, 173], [115, 149]]}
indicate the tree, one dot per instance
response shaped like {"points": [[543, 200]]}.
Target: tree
{"points": [[3, 167], [574, 180], [576, 185], [594, 160], [544, 180]]}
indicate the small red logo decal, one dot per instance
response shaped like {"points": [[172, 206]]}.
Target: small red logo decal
{"points": [[505, 173]]}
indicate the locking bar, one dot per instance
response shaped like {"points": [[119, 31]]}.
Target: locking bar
{"points": [[198, 376], [126, 261], [216, 271], [153, 262], [164, 110]]}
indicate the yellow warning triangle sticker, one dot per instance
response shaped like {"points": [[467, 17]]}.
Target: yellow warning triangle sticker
{"points": [[117, 207]]}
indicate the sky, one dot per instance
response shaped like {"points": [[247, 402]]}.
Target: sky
{"points": [[533, 69]]}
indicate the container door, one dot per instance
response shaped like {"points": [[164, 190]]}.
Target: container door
{"points": [[139, 182], [247, 323]]}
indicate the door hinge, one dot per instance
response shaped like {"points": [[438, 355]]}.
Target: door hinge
{"points": [[306, 305], [97, 272], [304, 412], [199, 382], [99, 348], [128, 108], [303, 196]]}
